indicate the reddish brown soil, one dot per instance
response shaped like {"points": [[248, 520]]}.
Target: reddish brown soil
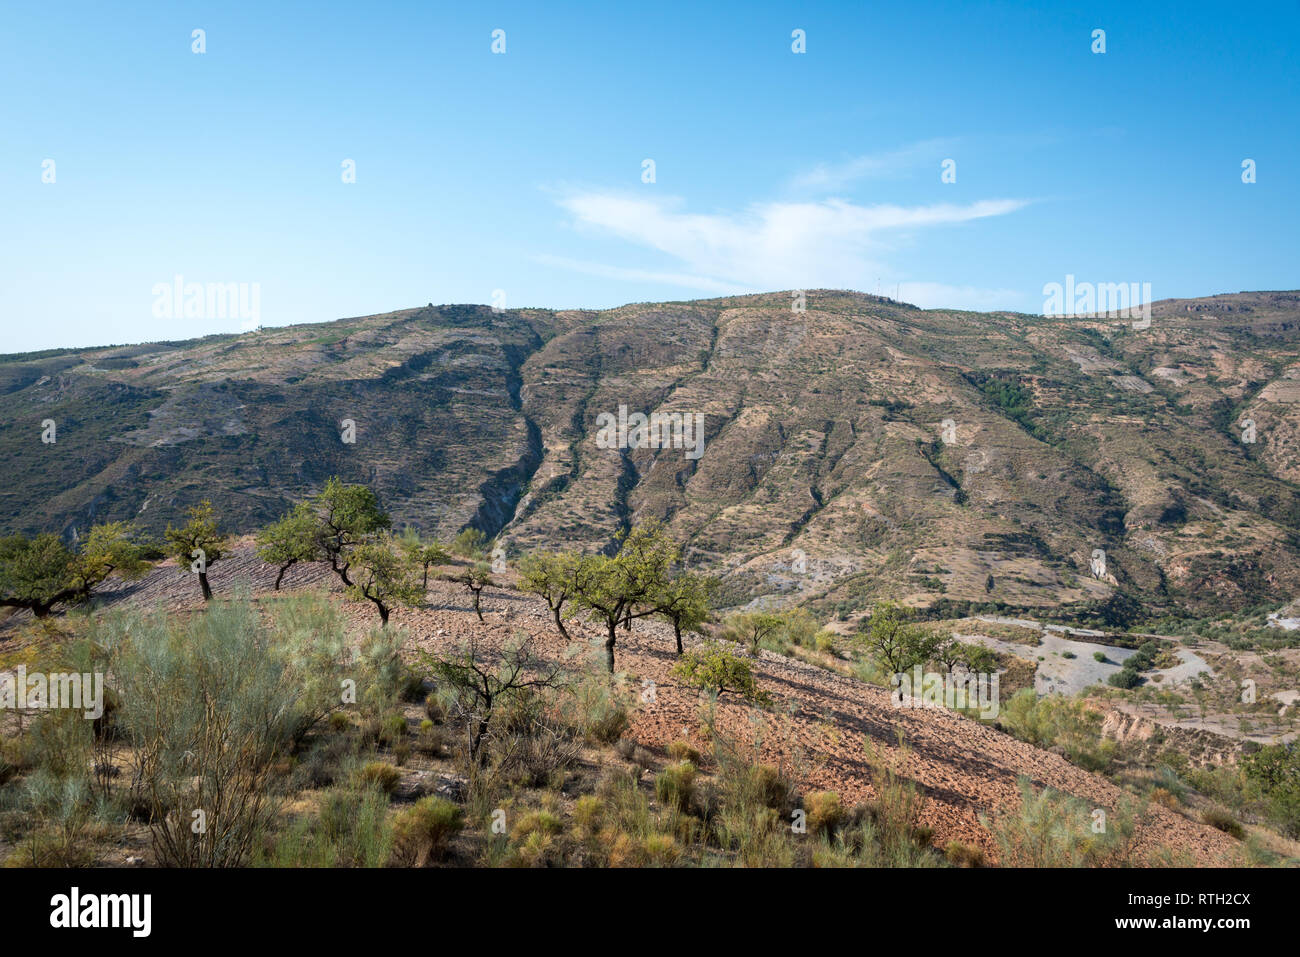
{"points": [[817, 730]]}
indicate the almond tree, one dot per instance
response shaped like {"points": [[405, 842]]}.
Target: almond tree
{"points": [[41, 572], [621, 588], [684, 601], [752, 628], [346, 516], [107, 549], [289, 541], [478, 687], [553, 576], [34, 573], [383, 577], [198, 542], [477, 577], [422, 554], [898, 643]]}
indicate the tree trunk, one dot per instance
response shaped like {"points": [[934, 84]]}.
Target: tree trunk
{"points": [[280, 577], [476, 740], [341, 570], [478, 611], [383, 613], [677, 629], [203, 584], [559, 622], [609, 645]]}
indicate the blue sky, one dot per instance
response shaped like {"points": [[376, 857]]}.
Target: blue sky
{"points": [[522, 171]]}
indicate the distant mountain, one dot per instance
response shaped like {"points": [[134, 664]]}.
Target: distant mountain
{"points": [[860, 449]]}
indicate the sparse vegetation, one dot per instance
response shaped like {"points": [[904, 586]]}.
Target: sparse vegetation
{"points": [[714, 669], [198, 544]]}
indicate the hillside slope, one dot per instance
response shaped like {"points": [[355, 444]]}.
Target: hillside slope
{"points": [[818, 730]]}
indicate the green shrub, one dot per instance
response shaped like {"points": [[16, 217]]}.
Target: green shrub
{"points": [[1055, 720], [712, 667], [412, 687], [683, 751], [392, 728], [351, 830], [1125, 678], [588, 813], [1052, 829], [211, 704], [825, 813], [379, 775], [534, 823], [1165, 798], [423, 831], [601, 711], [675, 785], [964, 855], [470, 543], [1221, 820], [1275, 771], [434, 710], [660, 850]]}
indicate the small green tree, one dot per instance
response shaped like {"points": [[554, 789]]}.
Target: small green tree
{"points": [[383, 577], [978, 659], [478, 687], [684, 601], [619, 589], [34, 573], [898, 643], [475, 578], [948, 652], [422, 554], [199, 542], [290, 540], [39, 573], [712, 667], [752, 628], [471, 543], [975, 658], [553, 576], [108, 548], [346, 516]]}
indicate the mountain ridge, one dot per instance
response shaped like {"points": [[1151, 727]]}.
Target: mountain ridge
{"points": [[935, 456]]}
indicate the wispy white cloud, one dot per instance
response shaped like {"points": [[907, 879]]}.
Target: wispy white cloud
{"points": [[829, 177], [795, 245]]}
